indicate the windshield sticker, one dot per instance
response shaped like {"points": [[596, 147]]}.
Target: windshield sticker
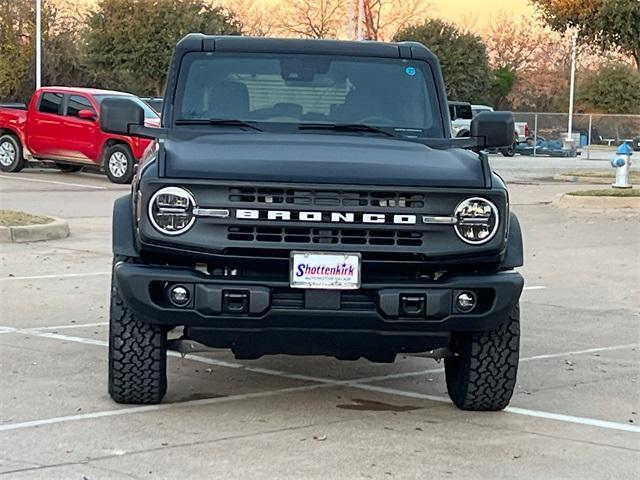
{"points": [[411, 71]]}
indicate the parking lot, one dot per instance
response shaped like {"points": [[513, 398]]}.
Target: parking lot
{"points": [[575, 412]]}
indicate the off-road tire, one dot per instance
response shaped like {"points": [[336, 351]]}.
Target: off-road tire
{"points": [[68, 167], [481, 375], [18, 162], [137, 354]]}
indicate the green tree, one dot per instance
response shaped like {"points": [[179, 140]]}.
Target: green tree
{"points": [[15, 45], [502, 82], [61, 57], [463, 57], [613, 88], [607, 24], [129, 42]]}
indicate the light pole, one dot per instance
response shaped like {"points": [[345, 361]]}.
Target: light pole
{"points": [[574, 38], [360, 19], [38, 44], [350, 13]]}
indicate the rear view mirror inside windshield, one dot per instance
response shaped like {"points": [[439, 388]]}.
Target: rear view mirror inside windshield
{"points": [[303, 70]]}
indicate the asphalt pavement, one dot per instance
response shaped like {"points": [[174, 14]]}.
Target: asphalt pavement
{"points": [[575, 412]]}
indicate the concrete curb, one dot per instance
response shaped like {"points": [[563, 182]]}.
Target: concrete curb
{"points": [[575, 201], [59, 228], [588, 180]]}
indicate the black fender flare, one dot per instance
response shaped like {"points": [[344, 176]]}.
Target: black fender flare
{"points": [[122, 234], [514, 255]]}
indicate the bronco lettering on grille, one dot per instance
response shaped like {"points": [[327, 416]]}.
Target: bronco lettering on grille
{"points": [[327, 217]]}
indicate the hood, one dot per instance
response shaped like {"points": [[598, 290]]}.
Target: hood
{"points": [[317, 158]]}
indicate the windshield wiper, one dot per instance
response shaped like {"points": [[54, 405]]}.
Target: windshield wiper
{"points": [[344, 127], [217, 121]]}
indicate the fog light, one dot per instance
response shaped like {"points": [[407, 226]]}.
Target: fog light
{"points": [[466, 301], [179, 295]]}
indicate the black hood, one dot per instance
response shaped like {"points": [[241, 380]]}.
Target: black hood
{"points": [[317, 158]]}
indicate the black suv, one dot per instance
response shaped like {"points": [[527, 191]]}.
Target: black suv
{"points": [[305, 197]]}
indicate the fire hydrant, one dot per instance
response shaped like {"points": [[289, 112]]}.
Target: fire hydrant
{"points": [[621, 162]]}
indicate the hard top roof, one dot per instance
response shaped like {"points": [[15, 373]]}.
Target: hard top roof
{"points": [[235, 43]]}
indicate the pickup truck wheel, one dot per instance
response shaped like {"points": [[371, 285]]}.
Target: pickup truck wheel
{"points": [[68, 168], [11, 159], [481, 375], [510, 151], [119, 164], [137, 354]]}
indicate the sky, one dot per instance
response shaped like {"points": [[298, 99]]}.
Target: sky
{"points": [[473, 14], [479, 13]]}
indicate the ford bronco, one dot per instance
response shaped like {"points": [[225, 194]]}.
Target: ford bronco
{"points": [[305, 197]]}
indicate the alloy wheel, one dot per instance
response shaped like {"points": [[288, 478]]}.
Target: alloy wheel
{"points": [[118, 164], [7, 153]]}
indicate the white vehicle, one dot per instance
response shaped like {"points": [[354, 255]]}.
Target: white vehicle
{"points": [[462, 113]]}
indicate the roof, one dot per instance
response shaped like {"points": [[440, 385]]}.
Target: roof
{"points": [[89, 91], [235, 43]]}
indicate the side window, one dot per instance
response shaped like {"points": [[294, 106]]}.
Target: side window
{"points": [[50, 102], [464, 111], [77, 103]]}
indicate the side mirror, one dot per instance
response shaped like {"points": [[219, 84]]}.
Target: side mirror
{"points": [[118, 115], [87, 114], [493, 129]]}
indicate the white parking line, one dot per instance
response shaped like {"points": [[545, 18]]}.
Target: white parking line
{"points": [[592, 422], [580, 352], [67, 327], [59, 275], [524, 359], [154, 408], [95, 187], [324, 382], [535, 287]]}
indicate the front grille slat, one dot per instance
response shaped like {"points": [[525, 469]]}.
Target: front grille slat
{"points": [[335, 236], [327, 198]]}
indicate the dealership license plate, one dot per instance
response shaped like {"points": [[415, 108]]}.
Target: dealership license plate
{"points": [[331, 271]]}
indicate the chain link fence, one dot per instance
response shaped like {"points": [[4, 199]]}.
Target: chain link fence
{"points": [[596, 136]]}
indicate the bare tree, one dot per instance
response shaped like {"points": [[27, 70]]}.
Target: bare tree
{"points": [[384, 18], [257, 18], [312, 18], [538, 57]]}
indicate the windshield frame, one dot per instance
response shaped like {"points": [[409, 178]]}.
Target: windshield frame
{"points": [[432, 85]]}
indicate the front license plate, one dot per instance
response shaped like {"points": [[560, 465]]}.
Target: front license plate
{"points": [[330, 271]]}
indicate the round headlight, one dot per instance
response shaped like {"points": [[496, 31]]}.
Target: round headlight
{"points": [[476, 220], [171, 210]]}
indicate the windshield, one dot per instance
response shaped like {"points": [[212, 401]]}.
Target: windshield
{"points": [[477, 110], [271, 90], [148, 111]]}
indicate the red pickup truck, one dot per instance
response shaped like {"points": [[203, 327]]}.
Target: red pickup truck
{"points": [[61, 126]]}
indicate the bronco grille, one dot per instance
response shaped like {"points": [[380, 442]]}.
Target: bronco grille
{"points": [[327, 198], [340, 236]]}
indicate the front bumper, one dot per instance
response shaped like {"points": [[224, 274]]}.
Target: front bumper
{"points": [[236, 306]]}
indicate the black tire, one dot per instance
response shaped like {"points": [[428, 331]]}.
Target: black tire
{"points": [[510, 151], [11, 158], [68, 167], [481, 375], [113, 167], [137, 355]]}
